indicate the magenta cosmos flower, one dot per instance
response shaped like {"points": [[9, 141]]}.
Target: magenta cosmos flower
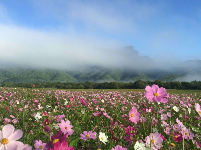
{"points": [[118, 147], [154, 93], [62, 146], [66, 127], [8, 137], [134, 115], [155, 140], [55, 139], [86, 135], [197, 108]]}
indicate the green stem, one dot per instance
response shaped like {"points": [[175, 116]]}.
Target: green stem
{"points": [[183, 139]]}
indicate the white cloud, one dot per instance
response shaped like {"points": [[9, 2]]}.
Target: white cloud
{"points": [[56, 50]]}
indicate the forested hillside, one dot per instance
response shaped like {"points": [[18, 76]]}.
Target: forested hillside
{"points": [[93, 74]]}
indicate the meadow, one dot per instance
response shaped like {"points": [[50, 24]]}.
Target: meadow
{"points": [[40, 119]]}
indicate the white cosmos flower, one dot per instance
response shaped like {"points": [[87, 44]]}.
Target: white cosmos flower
{"points": [[83, 111], [103, 137], [140, 146], [40, 107], [66, 102], [189, 110], [176, 108], [38, 116], [48, 106], [155, 130]]}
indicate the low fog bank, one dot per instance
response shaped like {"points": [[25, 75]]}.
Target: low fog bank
{"points": [[189, 78], [69, 51]]}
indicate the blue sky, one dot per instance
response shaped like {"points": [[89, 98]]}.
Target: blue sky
{"points": [[61, 30]]}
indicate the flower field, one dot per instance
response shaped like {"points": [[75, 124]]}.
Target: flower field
{"points": [[41, 119]]}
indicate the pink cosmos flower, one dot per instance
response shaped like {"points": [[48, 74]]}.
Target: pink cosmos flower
{"points": [[155, 93], [15, 120], [86, 135], [169, 114], [60, 117], [163, 117], [97, 114], [197, 108], [187, 134], [7, 120], [156, 141], [118, 147], [167, 130], [83, 102], [66, 127], [176, 127], [8, 137], [39, 145], [106, 115], [134, 115], [12, 116]]}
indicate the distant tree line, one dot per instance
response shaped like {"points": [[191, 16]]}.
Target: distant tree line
{"points": [[139, 84]]}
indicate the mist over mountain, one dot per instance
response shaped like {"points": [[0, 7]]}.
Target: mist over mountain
{"points": [[119, 65]]}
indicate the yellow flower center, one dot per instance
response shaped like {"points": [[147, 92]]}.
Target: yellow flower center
{"points": [[131, 138], [132, 115], [55, 140], [40, 147], [155, 94], [46, 122], [102, 138], [88, 135], [4, 141], [152, 141], [199, 112], [66, 128], [99, 149], [176, 136], [172, 144], [186, 133]]}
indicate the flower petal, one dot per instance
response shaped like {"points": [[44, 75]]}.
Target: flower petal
{"points": [[57, 145], [1, 147], [1, 135], [149, 89], [8, 130], [155, 88], [12, 145], [16, 135]]}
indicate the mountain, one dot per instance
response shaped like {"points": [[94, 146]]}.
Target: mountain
{"points": [[94, 74], [126, 65]]}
